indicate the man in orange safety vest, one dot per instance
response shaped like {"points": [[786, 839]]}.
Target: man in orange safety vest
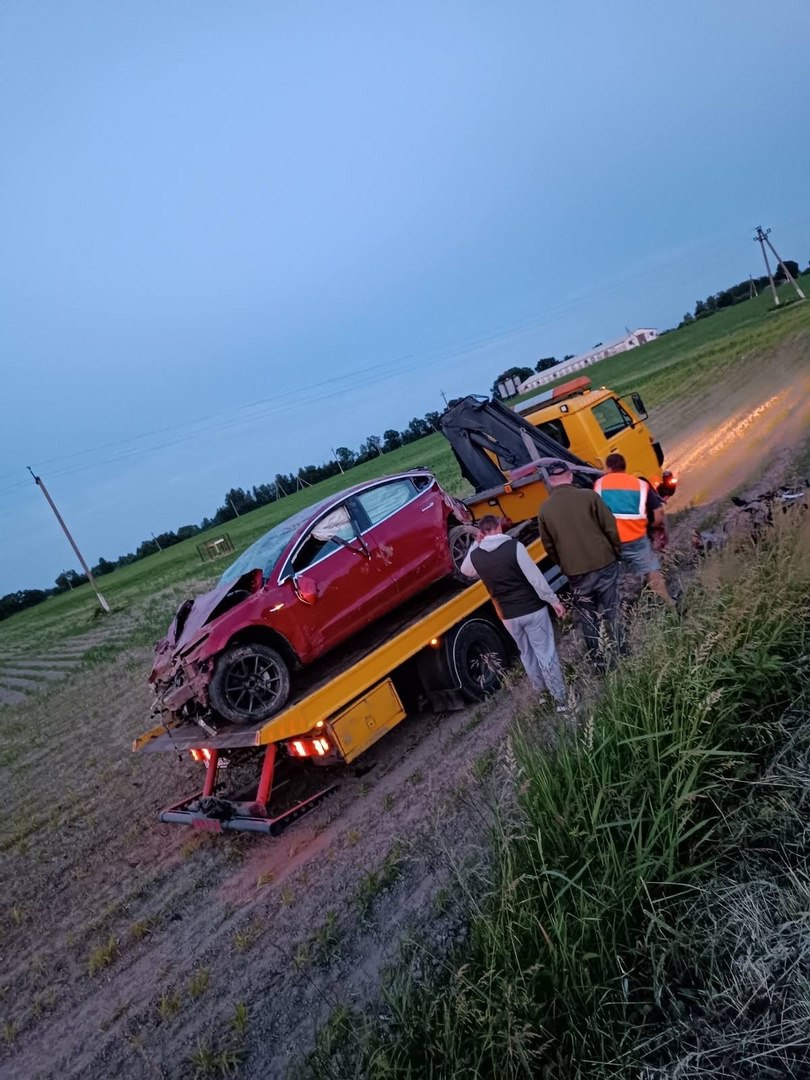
{"points": [[635, 506]]}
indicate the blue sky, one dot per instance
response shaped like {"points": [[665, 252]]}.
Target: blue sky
{"points": [[236, 235]]}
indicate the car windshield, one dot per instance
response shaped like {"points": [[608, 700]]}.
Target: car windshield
{"points": [[265, 552]]}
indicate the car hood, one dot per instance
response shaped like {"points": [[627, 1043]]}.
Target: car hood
{"points": [[194, 615]]}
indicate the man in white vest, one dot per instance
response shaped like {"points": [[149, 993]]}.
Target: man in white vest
{"points": [[522, 598]]}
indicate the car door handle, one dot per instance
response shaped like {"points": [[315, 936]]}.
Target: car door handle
{"points": [[426, 508]]}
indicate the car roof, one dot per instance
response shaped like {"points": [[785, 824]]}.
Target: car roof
{"points": [[302, 519], [356, 489], [346, 493]]}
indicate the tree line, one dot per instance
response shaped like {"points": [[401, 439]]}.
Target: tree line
{"points": [[238, 501]]}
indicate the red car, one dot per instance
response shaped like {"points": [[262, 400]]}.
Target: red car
{"points": [[305, 586]]}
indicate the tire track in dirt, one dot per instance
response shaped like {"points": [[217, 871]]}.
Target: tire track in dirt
{"points": [[732, 433]]}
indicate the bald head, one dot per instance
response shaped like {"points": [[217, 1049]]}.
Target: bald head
{"points": [[558, 479]]}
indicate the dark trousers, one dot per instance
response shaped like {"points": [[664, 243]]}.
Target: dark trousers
{"points": [[596, 599]]}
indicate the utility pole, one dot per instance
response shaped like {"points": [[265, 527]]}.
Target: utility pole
{"points": [[233, 507], [785, 270], [760, 237], [337, 459], [445, 398], [38, 481], [157, 544], [752, 289], [67, 579]]}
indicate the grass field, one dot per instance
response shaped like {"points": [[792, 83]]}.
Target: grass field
{"points": [[679, 366]]}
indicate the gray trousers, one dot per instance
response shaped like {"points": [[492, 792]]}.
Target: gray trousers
{"points": [[534, 635]]}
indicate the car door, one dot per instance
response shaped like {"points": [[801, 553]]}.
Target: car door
{"points": [[406, 520], [332, 574]]}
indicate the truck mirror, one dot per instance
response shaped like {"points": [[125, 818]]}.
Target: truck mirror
{"points": [[639, 406]]}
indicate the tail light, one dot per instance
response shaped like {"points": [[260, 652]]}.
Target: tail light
{"points": [[203, 754], [319, 746]]}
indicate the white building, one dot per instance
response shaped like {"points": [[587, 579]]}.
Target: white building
{"points": [[601, 352]]}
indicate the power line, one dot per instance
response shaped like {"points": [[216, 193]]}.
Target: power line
{"points": [[281, 401], [224, 425], [388, 366], [525, 323]]}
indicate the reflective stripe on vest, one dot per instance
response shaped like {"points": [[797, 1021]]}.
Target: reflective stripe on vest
{"points": [[626, 497]]}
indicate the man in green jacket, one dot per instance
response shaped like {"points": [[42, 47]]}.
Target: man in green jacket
{"points": [[580, 533]]}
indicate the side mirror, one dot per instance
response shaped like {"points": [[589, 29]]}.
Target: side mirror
{"points": [[638, 405], [305, 589]]}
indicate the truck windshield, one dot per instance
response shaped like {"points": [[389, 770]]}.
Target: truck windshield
{"points": [[611, 418]]}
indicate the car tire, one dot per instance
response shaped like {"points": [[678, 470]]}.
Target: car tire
{"points": [[250, 683], [460, 539], [479, 656]]}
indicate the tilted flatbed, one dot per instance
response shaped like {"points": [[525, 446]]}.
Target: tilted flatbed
{"points": [[444, 648]]}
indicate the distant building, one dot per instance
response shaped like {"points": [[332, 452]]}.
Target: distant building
{"points": [[601, 352]]}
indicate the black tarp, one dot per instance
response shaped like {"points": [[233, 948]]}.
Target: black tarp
{"points": [[476, 424]]}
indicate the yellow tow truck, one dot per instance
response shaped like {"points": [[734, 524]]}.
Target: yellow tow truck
{"points": [[444, 649], [493, 443]]}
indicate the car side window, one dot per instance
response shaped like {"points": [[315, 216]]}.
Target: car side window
{"points": [[380, 502], [610, 417], [314, 548]]}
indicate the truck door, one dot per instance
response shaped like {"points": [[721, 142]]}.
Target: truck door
{"points": [[623, 434]]}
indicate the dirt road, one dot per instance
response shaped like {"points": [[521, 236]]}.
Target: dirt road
{"points": [[731, 435], [132, 949]]}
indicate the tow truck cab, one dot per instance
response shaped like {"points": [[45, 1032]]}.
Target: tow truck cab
{"points": [[594, 423]]}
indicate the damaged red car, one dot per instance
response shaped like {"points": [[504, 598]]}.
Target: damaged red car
{"points": [[308, 584]]}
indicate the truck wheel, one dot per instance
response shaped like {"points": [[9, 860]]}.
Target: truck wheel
{"points": [[249, 684], [461, 539], [479, 657]]}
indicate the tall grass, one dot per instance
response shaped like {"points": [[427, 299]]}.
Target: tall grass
{"points": [[635, 864]]}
